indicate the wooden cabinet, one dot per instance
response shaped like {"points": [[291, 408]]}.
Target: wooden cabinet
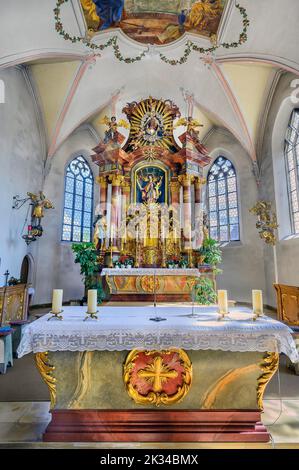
{"points": [[288, 304]]}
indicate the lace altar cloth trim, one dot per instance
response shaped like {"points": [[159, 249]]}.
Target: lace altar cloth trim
{"points": [[149, 272], [126, 328]]}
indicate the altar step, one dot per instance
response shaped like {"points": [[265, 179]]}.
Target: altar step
{"points": [[156, 426]]}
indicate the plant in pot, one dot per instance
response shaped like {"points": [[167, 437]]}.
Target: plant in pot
{"points": [[86, 256], [203, 291], [210, 254]]}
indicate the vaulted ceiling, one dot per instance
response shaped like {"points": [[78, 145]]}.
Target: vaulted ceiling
{"points": [[73, 86]]}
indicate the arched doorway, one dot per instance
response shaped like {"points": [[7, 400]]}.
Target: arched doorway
{"points": [[26, 273]]}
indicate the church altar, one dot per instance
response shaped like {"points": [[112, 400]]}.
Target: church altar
{"points": [[128, 377], [165, 284]]}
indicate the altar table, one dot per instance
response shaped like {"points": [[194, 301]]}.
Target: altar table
{"points": [[187, 378], [144, 283]]}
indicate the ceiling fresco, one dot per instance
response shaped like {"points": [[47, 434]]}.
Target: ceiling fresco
{"points": [[154, 21]]}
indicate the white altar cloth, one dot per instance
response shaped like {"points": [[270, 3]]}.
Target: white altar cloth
{"points": [[126, 328], [150, 272]]}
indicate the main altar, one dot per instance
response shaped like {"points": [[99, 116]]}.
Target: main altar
{"points": [[150, 210], [157, 374]]}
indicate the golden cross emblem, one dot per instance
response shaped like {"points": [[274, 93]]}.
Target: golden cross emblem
{"points": [[157, 373]]}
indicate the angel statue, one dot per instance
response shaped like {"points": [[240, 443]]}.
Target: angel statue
{"points": [[151, 191], [39, 203], [112, 134], [192, 125]]}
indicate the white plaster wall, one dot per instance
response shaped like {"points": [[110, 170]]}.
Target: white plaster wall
{"points": [[21, 166], [274, 188], [243, 266], [56, 268]]}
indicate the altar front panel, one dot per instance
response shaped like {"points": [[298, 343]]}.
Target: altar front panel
{"points": [[95, 380], [147, 284]]}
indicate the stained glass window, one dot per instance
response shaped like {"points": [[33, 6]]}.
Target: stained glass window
{"points": [[223, 201], [78, 202], [292, 163]]}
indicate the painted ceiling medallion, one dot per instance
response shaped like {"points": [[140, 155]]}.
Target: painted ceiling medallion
{"points": [[157, 377], [154, 23], [157, 21]]}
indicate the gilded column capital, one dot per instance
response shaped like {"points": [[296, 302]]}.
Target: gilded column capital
{"points": [[186, 180], [199, 182], [116, 180], [102, 181], [175, 186]]}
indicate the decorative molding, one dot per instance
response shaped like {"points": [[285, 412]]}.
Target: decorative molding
{"points": [[36, 55], [225, 19], [265, 113], [46, 371], [38, 112], [269, 366], [275, 61], [235, 105]]}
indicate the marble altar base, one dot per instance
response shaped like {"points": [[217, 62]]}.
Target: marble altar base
{"points": [[91, 403]]}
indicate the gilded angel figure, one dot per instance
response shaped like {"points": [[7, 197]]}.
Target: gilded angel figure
{"points": [[111, 134], [40, 202]]}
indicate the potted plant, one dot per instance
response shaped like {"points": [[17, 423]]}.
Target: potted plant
{"points": [[204, 292], [124, 261], [86, 256], [173, 262], [210, 254]]}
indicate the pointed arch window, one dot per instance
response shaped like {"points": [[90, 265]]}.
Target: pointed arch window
{"points": [[223, 208], [78, 202], [292, 163]]}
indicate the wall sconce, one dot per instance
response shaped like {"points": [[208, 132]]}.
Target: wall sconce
{"points": [[38, 203]]}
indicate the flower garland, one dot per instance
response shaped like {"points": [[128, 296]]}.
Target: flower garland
{"points": [[113, 41]]}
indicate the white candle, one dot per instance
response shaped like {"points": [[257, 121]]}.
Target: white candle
{"points": [[222, 302], [257, 302], [57, 300], [92, 301]]}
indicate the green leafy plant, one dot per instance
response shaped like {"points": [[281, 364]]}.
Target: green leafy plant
{"points": [[204, 292], [86, 256], [210, 253]]}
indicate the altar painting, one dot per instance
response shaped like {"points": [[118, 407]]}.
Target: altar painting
{"points": [[154, 21], [150, 185]]}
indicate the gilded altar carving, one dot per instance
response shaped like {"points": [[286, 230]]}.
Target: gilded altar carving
{"points": [[157, 377], [186, 180], [46, 371], [102, 181], [116, 180], [269, 366]]}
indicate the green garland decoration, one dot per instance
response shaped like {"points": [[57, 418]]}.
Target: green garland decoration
{"points": [[113, 41]]}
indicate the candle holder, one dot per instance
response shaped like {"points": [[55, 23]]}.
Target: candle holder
{"points": [[222, 315], [92, 315], [57, 315], [257, 315]]}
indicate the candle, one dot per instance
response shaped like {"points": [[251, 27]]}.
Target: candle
{"points": [[222, 302], [92, 301], [57, 301], [257, 302]]}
